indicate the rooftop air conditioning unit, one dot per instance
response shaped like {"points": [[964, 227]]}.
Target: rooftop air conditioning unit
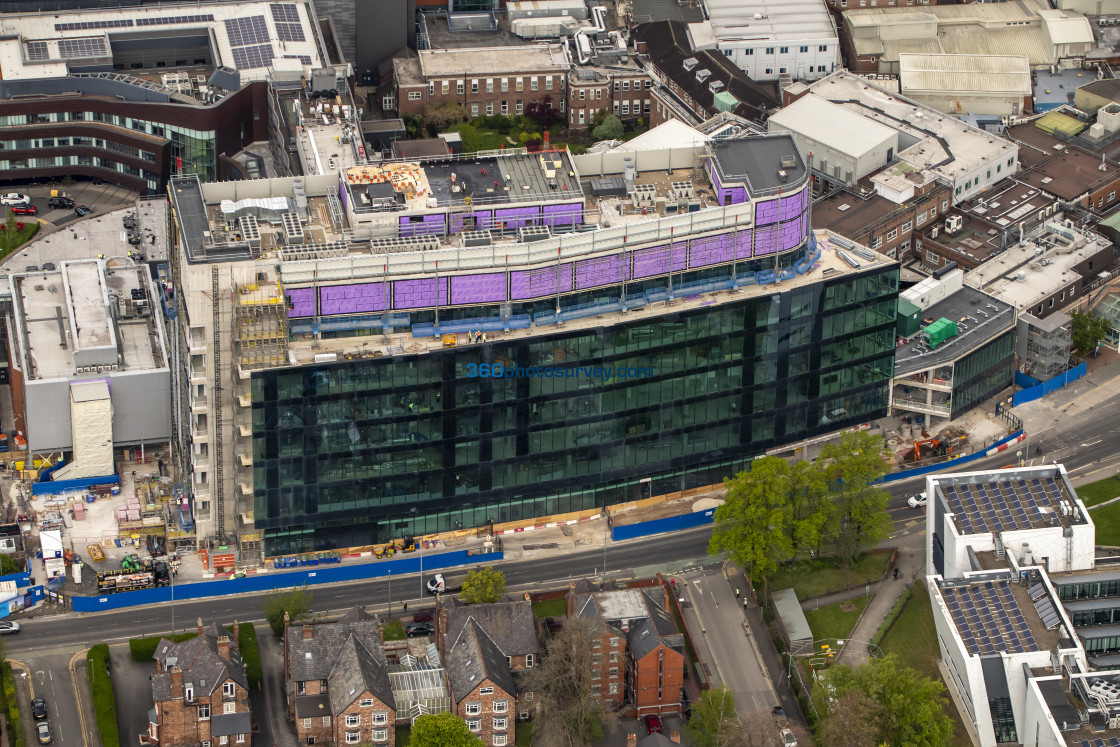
{"points": [[690, 63], [934, 231], [953, 224], [703, 74]]}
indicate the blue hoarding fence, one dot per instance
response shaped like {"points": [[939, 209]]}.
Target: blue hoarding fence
{"points": [[659, 526], [270, 581], [952, 463], [1041, 389]]}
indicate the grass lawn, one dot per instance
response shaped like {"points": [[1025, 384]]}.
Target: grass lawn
{"points": [[550, 608], [1107, 519], [833, 621], [404, 734], [913, 638], [811, 577], [250, 654], [524, 736], [104, 701], [393, 630], [1099, 491], [9, 244], [480, 138]]}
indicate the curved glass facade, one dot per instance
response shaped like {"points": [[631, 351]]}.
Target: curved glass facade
{"points": [[358, 452]]}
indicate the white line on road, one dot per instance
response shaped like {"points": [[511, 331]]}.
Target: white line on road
{"points": [[1092, 443]]}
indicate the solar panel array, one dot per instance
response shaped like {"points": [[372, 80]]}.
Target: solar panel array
{"points": [[304, 58], [173, 20], [88, 46], [288, 25], [118, 23], [1004, 506], [1100, 742], [988, 618], [246, 58], [37, 50], [245, 31]]}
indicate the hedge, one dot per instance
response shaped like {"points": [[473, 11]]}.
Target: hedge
{"points": [[896, 610], [104, 701], [144, 649], [16, 737], [250, 654]]}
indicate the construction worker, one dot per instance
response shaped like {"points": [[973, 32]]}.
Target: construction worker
{"points": [[736, 592]]}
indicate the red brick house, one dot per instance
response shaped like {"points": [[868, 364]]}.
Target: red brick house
{"points": [[638, 662], [338, 687], [200, 692]]}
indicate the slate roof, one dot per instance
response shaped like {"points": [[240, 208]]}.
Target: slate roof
{"points": [[510, 625], [312, 706], [650, 625], [649, 633], [668, 47], [358, 671], [228, 724], [199, 660], [314, 658], [474, 657]]}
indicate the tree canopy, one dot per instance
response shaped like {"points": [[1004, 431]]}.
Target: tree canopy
{"points": [[905, 708], [611, 129], [441, 730], [483, 585], [296, 602], [568, 714], [777, 510], [1088, 331]]}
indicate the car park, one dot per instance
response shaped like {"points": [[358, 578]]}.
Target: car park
{"points": [[24, 209], [14, 198], [81, 211], [7, 627], [416, 630], [653, 724], [61, 202], [917, 501], [44, 730], [39, 709]]}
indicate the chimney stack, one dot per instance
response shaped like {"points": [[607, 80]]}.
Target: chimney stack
{"points": [[176, 683], [223, 648], [307, 632], [200, 626]]}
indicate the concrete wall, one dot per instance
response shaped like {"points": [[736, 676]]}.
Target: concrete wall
{"points": [[383, 26], [610, 164], [959, 102], [1038, 723]]}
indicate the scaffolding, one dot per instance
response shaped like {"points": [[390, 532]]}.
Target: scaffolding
{"points": [[1047, 351], [260, 324]]}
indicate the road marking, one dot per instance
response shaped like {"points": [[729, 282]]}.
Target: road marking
{"points": [[78, 697], [1092, 443]]}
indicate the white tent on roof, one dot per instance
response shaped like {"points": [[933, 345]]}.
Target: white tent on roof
{"points": [[671, 134]]}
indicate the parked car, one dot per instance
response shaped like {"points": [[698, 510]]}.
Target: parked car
{"points": [[24, 209], [653, 724], [788, 740], [416, 630], [917, 501], [61, 202], [7, 626], [778, 713], [14, 198], [422, 616], [81, 211], [39, 709], [44, 730]]}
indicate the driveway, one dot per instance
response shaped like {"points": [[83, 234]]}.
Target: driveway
{"points": [[269, 709], [719, 632], [133, 689]]}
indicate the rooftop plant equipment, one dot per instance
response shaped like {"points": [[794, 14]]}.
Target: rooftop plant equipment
{"points": [[940, 331]]}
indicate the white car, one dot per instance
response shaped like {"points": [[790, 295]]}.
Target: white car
{"points": [[788, 740], [916, 501], [14, 198]]}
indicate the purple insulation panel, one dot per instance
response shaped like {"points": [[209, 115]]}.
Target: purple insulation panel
{"points": [[546, 281], [766, 212], [791, 235], [302, 301], [792, 206], [418, 294], [656, 261], [343, 192], [486, 288], [736, 196], [432, 224], [352, 299], [563, 215], [765, 241], [602, 271], [709, 250], [518, 217]]}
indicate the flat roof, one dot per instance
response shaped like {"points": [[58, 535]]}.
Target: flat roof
{"points": [[1070, 174], [989, 619], [979, 318], [757, 160], [830, 124], [248, 36], [518, 61], [88, 302], [973, 73], [983, 503], [781, 20]]}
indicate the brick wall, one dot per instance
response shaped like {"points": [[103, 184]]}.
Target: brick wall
{"points": [[182, 721], [485, 96], [608, 670], [373, 722], [656, 681], [624, 95], [484, 712]]}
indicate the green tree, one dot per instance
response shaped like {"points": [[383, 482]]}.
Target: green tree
{"points": [[483, 585], [296, 602], [752, 524], [568, 714], [441, 116], [1088, 331], [599, 117], [860, 518], [611, 129], [714, 720], [441, 730], [906, 708], [850, 722], [414, 126], [811, 507]]}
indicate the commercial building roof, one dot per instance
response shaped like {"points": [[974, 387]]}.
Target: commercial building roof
{"points": [[672, 133], [981, 505], [758, 162], [494, 60], [830, 124], [979, 318], [1071, 174], [988, 618], [777, 20], [971, 73]]}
